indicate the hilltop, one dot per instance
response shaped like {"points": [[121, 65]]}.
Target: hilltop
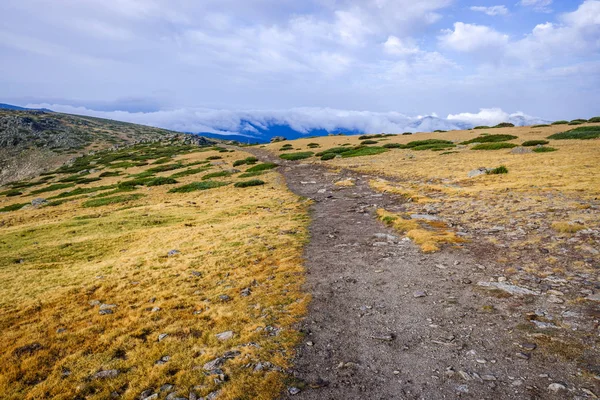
{"points": [[32, 141]]}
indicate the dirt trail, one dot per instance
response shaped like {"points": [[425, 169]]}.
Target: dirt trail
{"points": [[388, 322]]}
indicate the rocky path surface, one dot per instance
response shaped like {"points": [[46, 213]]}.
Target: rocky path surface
{"points": [[388, 322]]}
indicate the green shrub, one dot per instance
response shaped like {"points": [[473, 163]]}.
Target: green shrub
{"points": [[162, 160], [97, 202], [313, 145], [328, 156], [497, 171], [418, 143], [51, 188], [594, 119], [109, 174], [79, 191], [334, 150], [584, 132], [448, 152], [253, 182], [369, 141], [494, 146], [579, 120], [439, 131], [198, 186], [544, 149], [364, 151], [534, 143], [219, 174], [214, 158], [434, 147], [165, 167], [11, 193], [85, 181], [490, 139], [262, 167], [297, 156], [394, 146], [13, 207], [161, 181], [504, 125], [540, 126], [250, 174], [407, 133], [248, 160], [561, 122], [575, 123], [188, 172], [482, 127], [130, 185]]}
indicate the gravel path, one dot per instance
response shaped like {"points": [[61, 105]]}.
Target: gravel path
{"points": [[388, 322]]}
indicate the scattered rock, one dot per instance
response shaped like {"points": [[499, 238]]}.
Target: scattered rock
{"points": [[172, 253], [38, 202], [512, 289], [426, 217], [106, 312], [167, 387], [419, 293], [246, 292], [107, 306], [224, 298], [106, 374], [293, 390], [556, 387], [477, 172], [162, 336], [163, 360], [224, 335], [27, 349], [385, 337], [521, 150], [523, 356], [197, 274], [593, 297]]}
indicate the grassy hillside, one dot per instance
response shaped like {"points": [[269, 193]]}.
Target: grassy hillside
{"points": [[33, 141], [150, 270]]}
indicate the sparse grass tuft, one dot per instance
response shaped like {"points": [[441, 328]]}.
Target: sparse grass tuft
{"points": [[11, 193], [297, 156], [245, 161], [394, 146], [497, 171], [328, 156], [482, 127], [504, 125], [188, 172], [253, 182], [594, 119], [567, 227], [109, 174], [493, 146]]}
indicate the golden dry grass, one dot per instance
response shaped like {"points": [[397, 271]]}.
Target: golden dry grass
{"points": [[55, 261]]}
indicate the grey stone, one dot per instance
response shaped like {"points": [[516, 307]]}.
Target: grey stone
{"points": [[556, 387], [197, 274], [38, 202], [246, 292], [167, 387], [419, 293], [477, 172], [512, 289], [106, 312], [107, 306], [521, 150], [426, 217], [593, 297], [172, 253], [224, 335], [293, 390], [224, 298], [385, 337], [162, 336], [106, 374]]}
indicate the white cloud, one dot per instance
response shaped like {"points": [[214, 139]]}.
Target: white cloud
{"points": [[471, 37], [396, 46], [300, 119], [491, 11], [537, 5]]}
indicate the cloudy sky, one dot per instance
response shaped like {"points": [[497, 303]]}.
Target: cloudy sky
{"points": [[191, 64]]}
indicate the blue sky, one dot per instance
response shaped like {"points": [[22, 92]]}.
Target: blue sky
{"points": [[197, 65]]}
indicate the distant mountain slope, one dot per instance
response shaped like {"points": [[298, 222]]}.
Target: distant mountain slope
{"points": [[32, 141], [4, 106]]}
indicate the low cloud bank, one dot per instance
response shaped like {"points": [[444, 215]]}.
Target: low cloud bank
{"points": [[253, 123]]}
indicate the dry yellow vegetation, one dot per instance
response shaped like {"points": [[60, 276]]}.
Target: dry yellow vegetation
{"points": [[94, 302]]}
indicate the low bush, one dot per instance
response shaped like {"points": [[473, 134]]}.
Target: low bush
{"points": [[493, 146], [11, 193], [561, 122], [434, 147], [594, 119], [540, 126], [51, 188], [394, 146], [334, 150], [328, 156], [250, 174], [245, 161], [407, 133], [79, 191], [364, 151], [544, 149], [497, 171], [198, 186], [313, 145], [584, 132], [161, 181], [504, 125], [575, 123], [253, 182], [214, 158], [13, 207], [534, 143], [165, 167], [104, 201], [109, 174], [163, 160], [482, 127], [220, 174], [191, 171], [579, 120], [261, 167], [418, 143], [369, 141], [297, 156], [490, 139]]}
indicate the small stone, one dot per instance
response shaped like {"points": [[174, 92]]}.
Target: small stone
{"points": [[465, 375], [224, 335], [384, 337], [105, 312], [556, 387], [467, 281], [162, 336], [529, 346], [555, 300], [61, 330], [488, 378], [155, 309], [224, 298], [172, 253], [94, 303], [197, 274], [419, 293], [593, 297], [38, 202], [163, 360], [396, 372], [517, 382], [293, 390], [481, 361], [151, 397], [246, 292], [309, 343], [462, 389], [107, 306], [524, 356], [106, 374], [167, 387]]}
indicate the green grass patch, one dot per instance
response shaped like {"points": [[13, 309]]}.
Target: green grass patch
{"points": [[561, 122], [198, 186], [253, 182], [328, 156], [220, 174], [544, 149], [11, 193], [13, 207], [79, 191], [250, 174], [297, 156], [364, 151], [434, 147], [369, 141], [187, 172], [394, 146], [245, 161], [493, 146], [161, 181], [313, 145], [482, 127], [448, 152], [165, 167], [261, 167], [491, 139], [334, 150], [51, 188], [497, 171], [418, 143], [540, 126], [594, 119], [504, 125], [98, 202], [584, 133], [530, 143], [214, 158], [109, 174], [163, 160]]}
